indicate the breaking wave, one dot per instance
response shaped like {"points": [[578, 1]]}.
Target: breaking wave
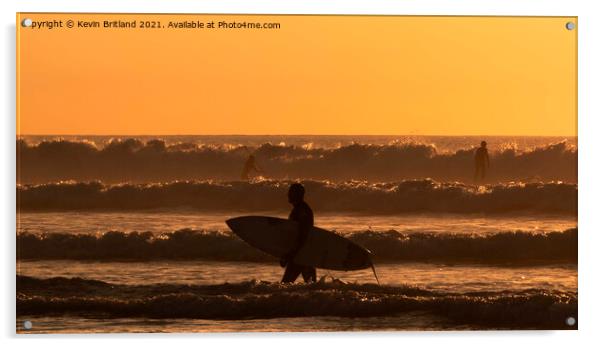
{"points": [[381, 198], [534, 308], [132, 160], [392, 246]]}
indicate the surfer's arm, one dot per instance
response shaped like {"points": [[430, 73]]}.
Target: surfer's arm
{"points": [[303, 231], [304, 227]]}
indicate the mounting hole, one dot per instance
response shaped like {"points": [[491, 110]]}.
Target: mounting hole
{"points": [[27, 325], [570, 25], [570, 321]]}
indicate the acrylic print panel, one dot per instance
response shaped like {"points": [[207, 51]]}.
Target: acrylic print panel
{"points": [[406, 173]]}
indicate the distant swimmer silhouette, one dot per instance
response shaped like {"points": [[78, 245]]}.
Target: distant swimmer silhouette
{"points": [[302, 214], [250, 166], [481, 161]]}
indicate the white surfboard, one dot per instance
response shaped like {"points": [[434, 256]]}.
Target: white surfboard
{"points": [[322, 248]]}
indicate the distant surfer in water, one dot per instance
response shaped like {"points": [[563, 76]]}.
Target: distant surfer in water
{"points": [[249, 167], [481, 161], [303, 215]]}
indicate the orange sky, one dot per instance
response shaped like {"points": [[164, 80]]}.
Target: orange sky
{"points": [[314, 75]]}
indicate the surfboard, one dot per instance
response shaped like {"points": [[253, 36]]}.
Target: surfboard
{"points": [[322, 248]]}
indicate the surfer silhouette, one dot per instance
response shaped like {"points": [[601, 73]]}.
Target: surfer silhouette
{"points": [[250, 166], [481, 161], [302, 214]]}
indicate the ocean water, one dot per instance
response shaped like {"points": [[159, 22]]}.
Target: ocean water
{"points": [[118, 235], [157, 222], [332, 158], [541, 279]]}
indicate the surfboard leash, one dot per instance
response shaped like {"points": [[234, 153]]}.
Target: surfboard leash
{"points": [[374, 271]]}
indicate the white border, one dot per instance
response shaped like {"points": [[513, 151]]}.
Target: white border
{"points": [[590, 144]]}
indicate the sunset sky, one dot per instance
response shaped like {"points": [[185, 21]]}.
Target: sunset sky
{"points": [[314, 75]]}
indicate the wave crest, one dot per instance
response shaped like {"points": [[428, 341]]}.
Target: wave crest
{"points": [[380, 198], [392, 246], [155, 160], [246, 300]]}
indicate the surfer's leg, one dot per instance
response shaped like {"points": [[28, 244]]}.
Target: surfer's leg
{"points": [[478, 173], [309, 274], [291, 272]]}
